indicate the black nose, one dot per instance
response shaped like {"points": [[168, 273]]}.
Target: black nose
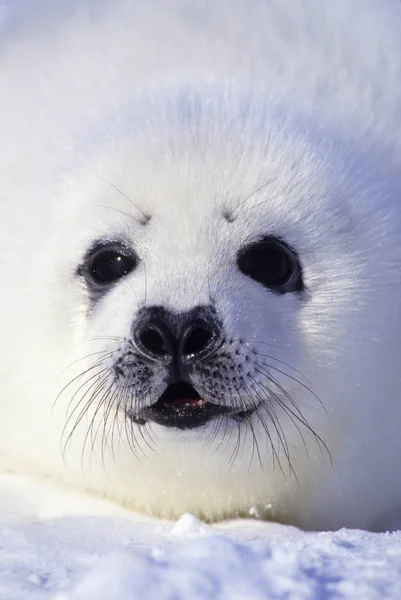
{"points": [[162, 335]]}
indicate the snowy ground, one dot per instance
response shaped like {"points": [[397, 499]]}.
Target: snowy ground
{"points": [[62, 545]]}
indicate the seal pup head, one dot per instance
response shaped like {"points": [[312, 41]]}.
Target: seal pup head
{"points": [[208, 297]]}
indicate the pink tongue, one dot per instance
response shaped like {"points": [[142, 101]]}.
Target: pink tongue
{"points": [[188, 402]]}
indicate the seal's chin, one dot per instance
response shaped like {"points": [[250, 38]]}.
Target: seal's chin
{"points": [[181, 406]]}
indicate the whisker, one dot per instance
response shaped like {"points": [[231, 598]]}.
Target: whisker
{"points": [[106, 354], [278, 360], [267, 431], [258, 189], [306, 387], [96, 384], [72, 381], [92, 378], [297, 414], [145, 217], [268, 406], [103, 394]]}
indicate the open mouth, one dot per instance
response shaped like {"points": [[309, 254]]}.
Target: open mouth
{"points": [[181, 406]]}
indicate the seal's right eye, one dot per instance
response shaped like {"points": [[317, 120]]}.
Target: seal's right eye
{"points": [[107, 264]]}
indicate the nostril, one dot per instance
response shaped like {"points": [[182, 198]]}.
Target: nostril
{"points": [[154, 341], [176, 339], [196, 339]]}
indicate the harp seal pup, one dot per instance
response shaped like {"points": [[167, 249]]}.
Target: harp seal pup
{"points": [[200, 255]]}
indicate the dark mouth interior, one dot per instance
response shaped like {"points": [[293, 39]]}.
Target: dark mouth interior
{"points": [[182, 407], [179, 394]]}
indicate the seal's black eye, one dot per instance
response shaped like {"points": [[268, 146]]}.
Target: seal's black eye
{"points": [[108, 263], [273, 264]]}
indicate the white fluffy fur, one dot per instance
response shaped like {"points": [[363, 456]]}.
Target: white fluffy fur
{"points": [[188, 107]]}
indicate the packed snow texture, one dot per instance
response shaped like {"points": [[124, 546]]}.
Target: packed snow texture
{"points": [[66, 546]]}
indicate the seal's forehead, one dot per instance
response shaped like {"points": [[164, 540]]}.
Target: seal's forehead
{"points": [[191, 184], [215, 158], [194, 193]]}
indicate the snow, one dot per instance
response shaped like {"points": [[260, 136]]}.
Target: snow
{"points": [[63, 545]]}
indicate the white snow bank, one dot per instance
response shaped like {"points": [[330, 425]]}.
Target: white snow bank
{"points": [[66, 546]]}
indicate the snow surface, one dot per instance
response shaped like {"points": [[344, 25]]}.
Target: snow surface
{"points": [[66, 546]]}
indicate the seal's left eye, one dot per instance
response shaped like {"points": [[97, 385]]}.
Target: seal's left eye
{"points": [[273, 264], [109, 264]]}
